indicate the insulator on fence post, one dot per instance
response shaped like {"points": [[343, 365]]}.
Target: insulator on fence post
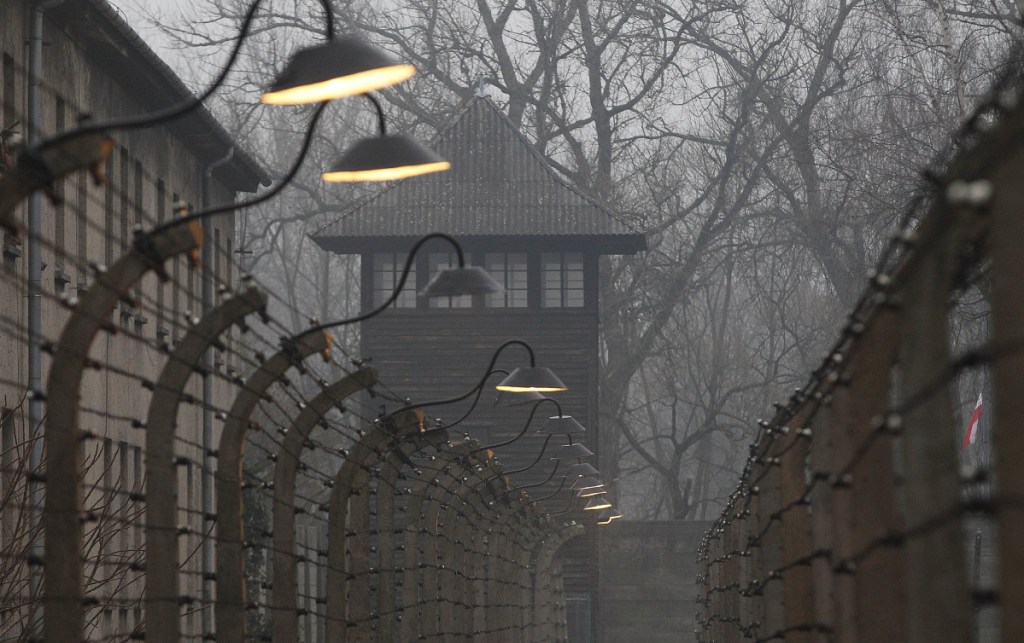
{"points": [[62, 530], [284, 615]]}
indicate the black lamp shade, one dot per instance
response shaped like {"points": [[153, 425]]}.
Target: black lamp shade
{"points": [[532, 378], [596, 504], [570, 451], [385, 158], [340, 67], [587, 482], [590, 493], [506, 399], [452, 282], [562, 425], [583, 469], [608, 516]]}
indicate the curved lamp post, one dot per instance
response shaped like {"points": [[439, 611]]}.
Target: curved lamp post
{"points": [[569, 507], [463, 280], [384, 158], [479, 389], [536, 376], [555, 425]]}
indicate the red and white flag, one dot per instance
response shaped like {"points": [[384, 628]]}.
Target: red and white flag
{"points": [[972, 426]]}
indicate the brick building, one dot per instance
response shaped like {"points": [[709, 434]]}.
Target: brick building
{"points": [[94, 64]]}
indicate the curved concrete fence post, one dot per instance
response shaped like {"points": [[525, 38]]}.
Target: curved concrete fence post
{"points": [[417, 547], [162, 582], [472, 507], [478, 571], [445, 488], [537, 530], [450, 530], [497, 543], [284, 591], [466, 529], [352, 483], [546, 582], [513, 523], [387, 608], [520, 520], [231, 601], [47, 166], [441, 478], [62, 526]]}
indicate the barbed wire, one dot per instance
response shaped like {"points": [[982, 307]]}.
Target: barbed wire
{"points": [[771, 528]]}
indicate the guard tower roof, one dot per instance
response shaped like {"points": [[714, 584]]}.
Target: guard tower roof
{"points": [[499, 186]]}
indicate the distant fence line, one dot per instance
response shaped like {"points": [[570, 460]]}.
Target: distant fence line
{"points": [[848, 523]]}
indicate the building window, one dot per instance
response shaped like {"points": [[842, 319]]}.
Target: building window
{"points": [[139, 192], [161, 213], [510, 271], [58, 214], [387, 270], [82, 230], [216, 256], [8, 127], [11, 108], [108, 212], [125, 223], [562, 279], [438, 261]]}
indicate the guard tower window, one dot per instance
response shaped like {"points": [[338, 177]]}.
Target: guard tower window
{"points": [[562, 279], [438, 261], [510, 271], [387, 270]]}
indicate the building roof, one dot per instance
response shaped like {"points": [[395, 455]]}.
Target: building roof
{"points": [[105, 36], [499, 186]]}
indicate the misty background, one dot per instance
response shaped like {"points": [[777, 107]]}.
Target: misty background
{"points": [[768, 150]]}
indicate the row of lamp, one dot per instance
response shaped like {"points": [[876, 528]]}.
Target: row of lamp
{"points": [[349, 66], [525, 385]]}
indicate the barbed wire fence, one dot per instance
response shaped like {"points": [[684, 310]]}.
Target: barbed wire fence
{"points": [[855, 518], [331, 521]]}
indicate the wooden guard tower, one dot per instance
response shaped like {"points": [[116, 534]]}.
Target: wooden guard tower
{"points": [[537, 235]]}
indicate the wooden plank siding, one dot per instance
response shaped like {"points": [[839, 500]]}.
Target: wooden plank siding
{"points": [[454, 346]]}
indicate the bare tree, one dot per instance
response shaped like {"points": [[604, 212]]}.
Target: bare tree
{"points": [[765, 147]]}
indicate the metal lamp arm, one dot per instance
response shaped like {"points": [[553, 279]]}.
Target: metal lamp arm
{"points": [[380, 116], [534, 463], [561, 485], [522, 507], [569, 507], [490, 370], [476, 400], [526, 426], [541, 484], [174, 111]]}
